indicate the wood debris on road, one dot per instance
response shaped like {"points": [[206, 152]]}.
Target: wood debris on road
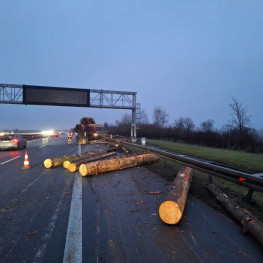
{"points": [[58, 161], [115, 164], [171, 210], [73, 167], [250, 222]]}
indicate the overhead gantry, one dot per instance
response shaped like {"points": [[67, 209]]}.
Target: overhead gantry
{"points": [[71, 97]]}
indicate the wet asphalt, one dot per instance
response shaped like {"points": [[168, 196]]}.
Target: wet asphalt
{"points": [[119, 217]]}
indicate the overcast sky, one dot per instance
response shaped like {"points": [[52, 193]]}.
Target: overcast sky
{"points": [[188, 57]]}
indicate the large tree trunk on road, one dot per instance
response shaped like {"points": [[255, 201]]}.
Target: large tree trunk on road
{"points": [[245, 217], [58, 161], [66, 163], [95, 168], [171, 211], [73, 167], [117, 144]]}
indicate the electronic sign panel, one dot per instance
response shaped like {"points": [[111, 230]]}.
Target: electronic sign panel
{"points": [[42, 95]]}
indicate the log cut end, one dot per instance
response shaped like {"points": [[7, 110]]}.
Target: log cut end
{"points": [[170, 212], [83, 170], [66, 164], [72, 167], [48, 163]]}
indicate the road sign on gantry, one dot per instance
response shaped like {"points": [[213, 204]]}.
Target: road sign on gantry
{"points": [[41, 95]]}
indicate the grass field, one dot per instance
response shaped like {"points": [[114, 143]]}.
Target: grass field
{"points": [[242, 160]]}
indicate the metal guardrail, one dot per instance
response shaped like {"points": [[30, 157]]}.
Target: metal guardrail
{"points": [[243, 178]]}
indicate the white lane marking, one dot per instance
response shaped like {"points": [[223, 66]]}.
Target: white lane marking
{"points": [[10, 160], [73, 247], [42, 146], [34, 140], [40, 253], [25, 189]]}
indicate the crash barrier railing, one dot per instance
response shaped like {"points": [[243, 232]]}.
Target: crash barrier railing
{"points": [[254, 182]]}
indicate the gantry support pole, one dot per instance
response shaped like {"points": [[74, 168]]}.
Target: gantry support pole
{"points": [[133, 124]]}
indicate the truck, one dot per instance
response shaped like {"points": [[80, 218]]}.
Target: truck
{"points": [[86, 130]]}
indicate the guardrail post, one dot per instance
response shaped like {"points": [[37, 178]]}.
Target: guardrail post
{"points": [[249, 194]]}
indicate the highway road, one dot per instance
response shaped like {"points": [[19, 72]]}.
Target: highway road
{"points": [[51, 215]]}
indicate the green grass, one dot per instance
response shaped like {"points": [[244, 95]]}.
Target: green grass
{"points": [[242, 160]]}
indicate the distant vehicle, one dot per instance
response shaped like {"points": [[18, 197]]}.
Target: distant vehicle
{"points": [[9, 141]]}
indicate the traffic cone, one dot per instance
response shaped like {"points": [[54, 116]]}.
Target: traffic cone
{"points": [[26, 162]]}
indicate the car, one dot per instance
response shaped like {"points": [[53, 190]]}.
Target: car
{"points": [[9, 141]]}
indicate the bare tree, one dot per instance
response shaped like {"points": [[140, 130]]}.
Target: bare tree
{"points": [[160, 117], [240, 118], [144, 118], [106, 125], [185, 124], [207, 126], [260, 132], [125, 119]]}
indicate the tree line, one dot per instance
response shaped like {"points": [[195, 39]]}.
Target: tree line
{"points": [[237, 134]]}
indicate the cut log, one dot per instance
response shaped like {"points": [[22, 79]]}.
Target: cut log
{"points": [[171, 210], [115, 164], [73, 167], [58, 161], [250, 223], [117, 144], [66, 163]]}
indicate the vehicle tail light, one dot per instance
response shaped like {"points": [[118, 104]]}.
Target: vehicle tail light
{"points": [[14, 140]]}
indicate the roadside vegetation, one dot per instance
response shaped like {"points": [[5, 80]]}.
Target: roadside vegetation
{"points": [[237, 134], [237, 159]]}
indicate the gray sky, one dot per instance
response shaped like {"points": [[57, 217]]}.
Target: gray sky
{"points": [[188, 57]]}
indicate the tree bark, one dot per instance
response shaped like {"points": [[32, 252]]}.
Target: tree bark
{"points": [[58, 161], [115, 164], [117, 144], [171, 211], [244, 216], [66, 163], [73, 167]]}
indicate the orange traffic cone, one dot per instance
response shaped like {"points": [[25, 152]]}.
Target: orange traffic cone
{"points": [[26, 162]]}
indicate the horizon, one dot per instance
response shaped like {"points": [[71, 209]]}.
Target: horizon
{"points": [[188, 58]]}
